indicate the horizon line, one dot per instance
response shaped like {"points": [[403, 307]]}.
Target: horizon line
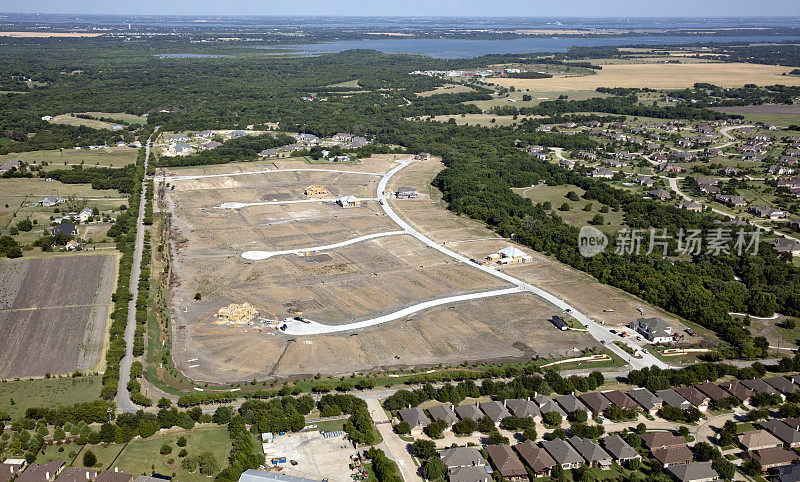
{"points": [[398, 16]]}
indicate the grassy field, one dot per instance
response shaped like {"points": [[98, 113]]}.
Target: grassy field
{"points": [[348, 84], [121, 117], [55, 452], [661, 76], [538, 97], [446, 89], [57, 159], [141, 456], [483, 120], [106, 454], [67, 119], [575, 216], [47, 393]]}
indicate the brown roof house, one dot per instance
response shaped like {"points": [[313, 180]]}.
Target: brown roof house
{"points": [[112, 476], [506, 462], [695, 397], [759, 386], [42, 473], [595, 402], [673, 456], [781, 384], [712, 391], [621, 400], [738, 390], [10, 468], [521, 408], [77, 474], [416, 419], [536, 458], [773, 457], [759, 439], [662, 440], [694, 472]]}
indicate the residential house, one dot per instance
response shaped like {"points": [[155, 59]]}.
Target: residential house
{"points": [[559, 323], [621, 400], [65, 228], [423, 156], [513, 255], [72, 245], [444, 413], [776, 170], [691, 206], [547, 405], [42, 472], [729, 171], [342, 137], [236, 134], [695, 397], [793, 422], [759, 386], [767, 212], [10, 468], [646, 181], [357, 142], [268, 153], [786, 245], [787, 473], [205, 134], [505, 461], [619, 449], [570, 403], [672, 456], [781, 384], [673, 399], [522, 408], [730, 200], [406, 193], [596, 402], [84, 215], [416, 419], [469, 474], [660, 194], [713, 392], [662, 440], [602, 172], [708, 188], [77, 474], [178, 138], [566, 164], [654, 329], [50, 201], [537, 458], [773, 457], [306, 139], [495, 410], [563, 453], [694, 472], [462, 457], [593, 454], [759, 439], [9, 165], [471, 412], [646, 399], [789, 436], [252, 475], [348, 201], [738, 390], [214, 144]]}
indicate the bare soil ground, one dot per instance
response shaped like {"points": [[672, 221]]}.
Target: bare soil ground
{"points": [[347, 284], [472, 239], [53, 313]]}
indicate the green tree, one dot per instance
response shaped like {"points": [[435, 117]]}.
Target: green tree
{"points": [[423, 449], [434, 469], [89, 459]]}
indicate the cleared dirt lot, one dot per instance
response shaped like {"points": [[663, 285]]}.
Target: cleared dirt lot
{"points": [[347, 284], [662, 76], [317, 457], [472, 239], [53, 313]]}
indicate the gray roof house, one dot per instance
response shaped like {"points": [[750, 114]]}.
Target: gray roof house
{"points": [[693, 472], [443, 412], [673, 399], [495, 410], [619, 449], [781, 384], [469, 411], [647, 399], [469, 474], [415, 417], [596, 402], [778, 428], [547, 405], [654, 329], [563, 453], [570, 403], [759, 386], [521, 408], [592, 453], [462, 457]]}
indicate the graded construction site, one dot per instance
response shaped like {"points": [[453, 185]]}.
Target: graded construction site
{"points": [[335, 286]]}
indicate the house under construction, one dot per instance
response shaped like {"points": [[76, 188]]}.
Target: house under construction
{"points": [[316, 190], [236, 314], [348, 201]]}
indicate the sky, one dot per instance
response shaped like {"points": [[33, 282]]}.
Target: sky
{"points": [[527, 8]]}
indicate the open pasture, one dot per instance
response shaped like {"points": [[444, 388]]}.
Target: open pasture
{"points": [[661, 76], [53, 313], [65, 158]]}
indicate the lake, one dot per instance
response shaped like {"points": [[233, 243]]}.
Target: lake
{"points": [[468, 48]]}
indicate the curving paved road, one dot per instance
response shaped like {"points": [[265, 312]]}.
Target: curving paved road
{"points": [[257, 255], [124, 403]]}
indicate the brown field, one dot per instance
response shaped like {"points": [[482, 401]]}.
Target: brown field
{"points": [[472, 239], [48, 321], [776, 109], [70, 120], [661, 76], [447, 89], [49, 34], [347, 284]]}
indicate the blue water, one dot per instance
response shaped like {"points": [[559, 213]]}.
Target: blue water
{"points": [[467, 48]]}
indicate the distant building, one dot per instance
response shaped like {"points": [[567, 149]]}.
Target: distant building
{"points": [[407, 193], [253, 475], [348, 201], [654, 329], [65, 228], [50, 201]]}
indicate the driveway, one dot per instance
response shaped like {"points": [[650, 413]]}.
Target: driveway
{"points": [[395, 448]]}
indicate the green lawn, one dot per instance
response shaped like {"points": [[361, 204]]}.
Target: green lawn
{"points": [[55, 452], [105, 453], [47, 393], [141, 456], [576, 216]]}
